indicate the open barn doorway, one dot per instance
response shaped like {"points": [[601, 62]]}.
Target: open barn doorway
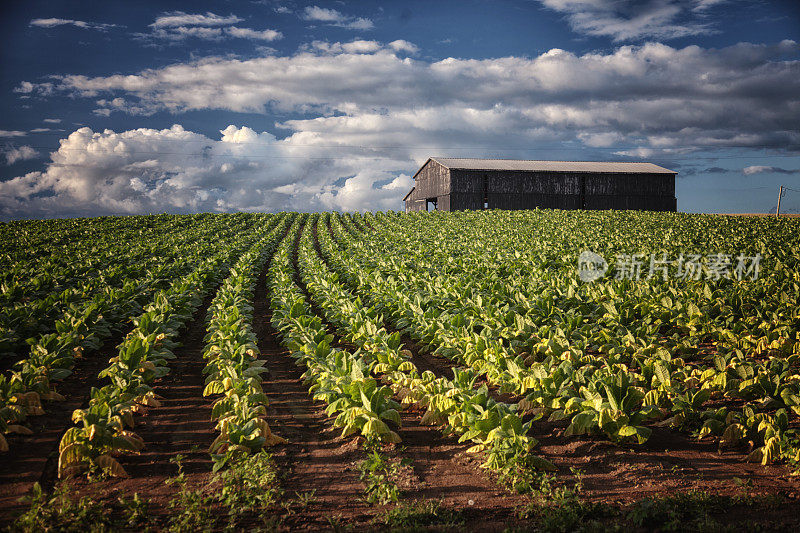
{"points": [[431, 204]]}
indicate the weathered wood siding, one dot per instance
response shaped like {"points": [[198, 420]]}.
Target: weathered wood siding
{"points": [[643, 203], [466, 200], [505, 189], [459, 189], [414, 205], [414, 202], [432, 180]]}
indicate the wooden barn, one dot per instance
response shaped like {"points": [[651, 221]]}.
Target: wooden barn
{"points": [[448, 184]]}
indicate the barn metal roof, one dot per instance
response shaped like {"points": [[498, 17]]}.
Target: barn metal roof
{"points": [[552, 166]]}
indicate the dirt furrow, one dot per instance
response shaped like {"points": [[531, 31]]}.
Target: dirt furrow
{"points": [[34, 458], [442, 470], [181, 425], [316, 462]]}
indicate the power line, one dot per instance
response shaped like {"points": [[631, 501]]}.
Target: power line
{"points": [[406, 147], [377, 157]]}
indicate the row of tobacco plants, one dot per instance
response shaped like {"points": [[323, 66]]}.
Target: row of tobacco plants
{"points": [[105, 427], [499, 293]]}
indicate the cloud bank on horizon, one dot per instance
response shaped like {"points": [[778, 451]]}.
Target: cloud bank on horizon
{"points": [[358, 116]]}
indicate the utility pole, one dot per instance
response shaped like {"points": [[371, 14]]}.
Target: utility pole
{"points": [[780, 195]]}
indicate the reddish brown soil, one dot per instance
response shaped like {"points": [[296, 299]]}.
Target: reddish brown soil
{"points": [[316, 459], [668, 462], [181, 425], [442, 470], [33, 458], [439, 468]]}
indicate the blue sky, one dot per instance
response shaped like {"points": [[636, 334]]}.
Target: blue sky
{"points": [[122, 108]]}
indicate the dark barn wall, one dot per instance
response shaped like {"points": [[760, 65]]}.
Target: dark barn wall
{"points": [[506, 189], [466, 200], [647, 192], [459, 189], [643, 203], [630, 184]]}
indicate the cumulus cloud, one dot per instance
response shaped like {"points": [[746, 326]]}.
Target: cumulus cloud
{"points": [[53, 22], [23, 153], [654, 98], [402, 45], [247, 33], [366, 114], [624, 20], [759, 169], [336, 18], [175, 170]]}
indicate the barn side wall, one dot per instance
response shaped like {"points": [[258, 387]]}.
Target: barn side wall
{"points": [[560, 190]]}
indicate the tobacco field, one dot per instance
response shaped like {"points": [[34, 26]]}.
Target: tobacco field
{"points": [[385, 371]]}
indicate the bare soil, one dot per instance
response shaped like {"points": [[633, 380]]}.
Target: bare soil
{"points": [[181, 425], [316, 459], [668, 462], [34, 458], [439, 469]]}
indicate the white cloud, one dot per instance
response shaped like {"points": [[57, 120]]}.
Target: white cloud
{"points": [[25, 87], [52, 120], [359, 23], [600, 140], [653, 95], [702, 5], [358, 46], [360, 192], [401, 45], [367, 114], [12, 133], [23, 153], [177, 26], [624, 20], [179, 18], [321, 14], [336, 18], [175, 170], [247, 33], [53, 22], [759, 169], [180, 33]]}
